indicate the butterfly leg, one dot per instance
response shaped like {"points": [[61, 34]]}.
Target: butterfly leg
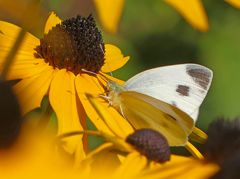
{"points": [[121, 111], [107, 98]]}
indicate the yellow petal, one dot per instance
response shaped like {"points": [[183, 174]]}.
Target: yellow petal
{"points": [[30, 91], [24, 63], [193, 11], [109, 12], [114, 59], [131, 166], [113, 120], [9, 33], [181, 167], [22, 71], [118, 81], [102, 162], [52, 21], [235, 3], [63, 100]]}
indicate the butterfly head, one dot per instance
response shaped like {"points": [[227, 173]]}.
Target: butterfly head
{"points": [[113, 90], [113, 86]]}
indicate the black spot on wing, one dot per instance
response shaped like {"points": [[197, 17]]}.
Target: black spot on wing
{"points": [[183, 90], [199, 74]]}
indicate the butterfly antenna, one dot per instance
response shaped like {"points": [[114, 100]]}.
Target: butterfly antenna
{"points": [[103, 77], [90, 72]]}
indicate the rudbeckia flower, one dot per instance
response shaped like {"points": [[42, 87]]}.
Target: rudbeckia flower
{"points": [[36, 155], [53, 66], [192, 10], [143, 154]]}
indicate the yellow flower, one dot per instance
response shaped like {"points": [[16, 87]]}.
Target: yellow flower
{"points": [[36, 156], [192, 10], [52, 66], [117, 158], [182, 167]]}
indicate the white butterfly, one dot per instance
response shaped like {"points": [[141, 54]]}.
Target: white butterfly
{"points": [[166, 99]]}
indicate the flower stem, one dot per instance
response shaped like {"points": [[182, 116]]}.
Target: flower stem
{"points": [[73, 133]]}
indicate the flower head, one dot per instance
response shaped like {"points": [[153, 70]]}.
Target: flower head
{"points": [[74, 44], [53, 66]]}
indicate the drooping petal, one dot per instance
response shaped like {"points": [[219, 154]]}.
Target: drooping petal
{"points": [[113, 122], [52, 21], [63, 100], [109, 12], [234, 3], [30, 91], [114, 59], [193, 11]]}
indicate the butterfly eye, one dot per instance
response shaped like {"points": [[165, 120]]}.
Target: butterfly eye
{"points": [[151, 144]]}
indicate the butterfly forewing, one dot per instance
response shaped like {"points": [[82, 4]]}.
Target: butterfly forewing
{"points": [[184, 86], [143, 111]]}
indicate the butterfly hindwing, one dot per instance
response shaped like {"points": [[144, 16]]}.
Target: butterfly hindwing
{"points": [[143, 111]]}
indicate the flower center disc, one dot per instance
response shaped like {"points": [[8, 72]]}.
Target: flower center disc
{"points": [[150, 143], [75, 44]]}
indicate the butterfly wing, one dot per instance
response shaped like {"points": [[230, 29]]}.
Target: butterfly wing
{"points": [[184, 86], [143, 111]]}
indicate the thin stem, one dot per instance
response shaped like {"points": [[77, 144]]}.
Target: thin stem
{"points": [[73, 133]]}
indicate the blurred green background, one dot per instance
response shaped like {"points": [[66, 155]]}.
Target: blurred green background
{"points": [[154, 34]]}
